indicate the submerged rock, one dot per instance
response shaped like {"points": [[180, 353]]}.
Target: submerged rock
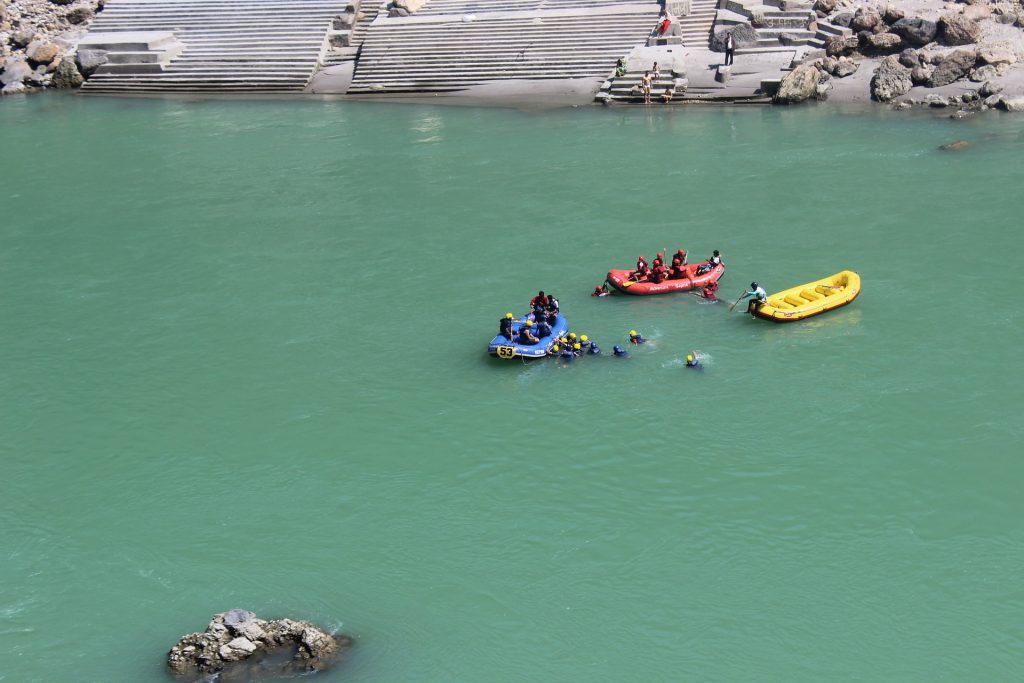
{"points": [[954, 146], [240, 644]]}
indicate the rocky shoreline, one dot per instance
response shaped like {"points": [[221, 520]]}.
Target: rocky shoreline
{"points": [[966, 55], [38, 39], [960, 55]]}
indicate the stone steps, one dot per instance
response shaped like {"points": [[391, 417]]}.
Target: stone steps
{"points": [[446, 54], [237, 45]]}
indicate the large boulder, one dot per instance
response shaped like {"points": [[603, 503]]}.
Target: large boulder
{"points": [[891, 14], [920, 74], [799, 85], [90, 60], [743, 35], [891, 80], [234, 637], [866, 19], [842, 19], [41, 51], [845, 67], [915, 31], [884, 43], [909, 58], [78, 15], [952, 66], [22, 37], [825, 6], [15, 71], [956, 29], [66, 75], [1012, 103], [996, 54], [983, 73], [838, 46]]}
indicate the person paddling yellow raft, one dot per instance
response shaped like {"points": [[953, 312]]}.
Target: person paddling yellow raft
{"points": [[811, 299]]}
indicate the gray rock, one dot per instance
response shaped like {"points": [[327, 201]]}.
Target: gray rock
{"points": [[891, 79], [956, 29], [989, 88], [15, 88], [22, 37], [842, 19], [837, 46], [993, 100], [915, 31], [983, 73], [845, 67], [884, 42], [66, 75], [919, 75], [62, 2], [825, 6], [237, 649], [744, 35], [798, 85], [936, 101], [996, 54], [960, 115], [900, 106], [909, 58], [78, 15], [865, 19], [236, 617], [951, 67], [891, 14], [90, 60], [1012, 103], [15, 72]]}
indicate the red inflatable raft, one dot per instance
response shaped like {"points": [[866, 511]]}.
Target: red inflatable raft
{"points": [[619, 279]]}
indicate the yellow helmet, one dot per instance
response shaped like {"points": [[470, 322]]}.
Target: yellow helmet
{"points": [[584, 338], [572, 335], [509, 316], [555, 348], [632, 333], [576, 346], [689, 357], [529, 323]]}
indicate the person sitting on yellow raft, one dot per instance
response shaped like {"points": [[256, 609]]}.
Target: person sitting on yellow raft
{"points": [[757, 297]]}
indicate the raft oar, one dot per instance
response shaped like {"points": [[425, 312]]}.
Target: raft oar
{"points": [[733, 307]]}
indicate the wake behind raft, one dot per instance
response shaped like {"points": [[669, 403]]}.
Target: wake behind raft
{"points": [[504, 347]]}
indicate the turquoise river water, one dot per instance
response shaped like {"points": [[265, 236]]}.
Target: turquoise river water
{"points": [[242, 364]]}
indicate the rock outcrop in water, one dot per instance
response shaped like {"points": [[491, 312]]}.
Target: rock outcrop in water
{"points": [[243, 647]]}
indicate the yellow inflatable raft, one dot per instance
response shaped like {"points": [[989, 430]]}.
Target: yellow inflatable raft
{"points": [[811, 299]]}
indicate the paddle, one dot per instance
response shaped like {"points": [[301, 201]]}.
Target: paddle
{"points": [[733, 307]]}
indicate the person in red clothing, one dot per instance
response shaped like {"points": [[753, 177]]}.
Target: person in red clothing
{"points": [[658, 273], [681, 255], [678, 271], [541, 299], [708, 291]]}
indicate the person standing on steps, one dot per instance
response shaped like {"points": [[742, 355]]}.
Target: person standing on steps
{"points": [[645, 87], [730, 49]]}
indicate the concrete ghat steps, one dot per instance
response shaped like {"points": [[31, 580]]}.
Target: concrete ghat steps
{"points": [[445, 53], [229, 45], [696, 26]]}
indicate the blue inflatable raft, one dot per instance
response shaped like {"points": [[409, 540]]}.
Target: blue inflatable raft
{"points": [[503, 348]]}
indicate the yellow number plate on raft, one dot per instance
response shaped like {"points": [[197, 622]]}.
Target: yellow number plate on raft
{"points": [[507, 352]]}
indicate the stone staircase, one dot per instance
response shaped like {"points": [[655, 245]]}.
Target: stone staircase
{"points": [[244, 46], [451, 45], [776, 28], [696, 26]]}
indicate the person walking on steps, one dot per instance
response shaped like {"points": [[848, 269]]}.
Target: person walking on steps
{"points": [[730, 49]]}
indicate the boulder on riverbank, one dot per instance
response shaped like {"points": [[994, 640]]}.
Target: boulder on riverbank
{"points": [[42, 34], [239, 643]]}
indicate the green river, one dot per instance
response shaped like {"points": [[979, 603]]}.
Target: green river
{"points": [[243, 364]]}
